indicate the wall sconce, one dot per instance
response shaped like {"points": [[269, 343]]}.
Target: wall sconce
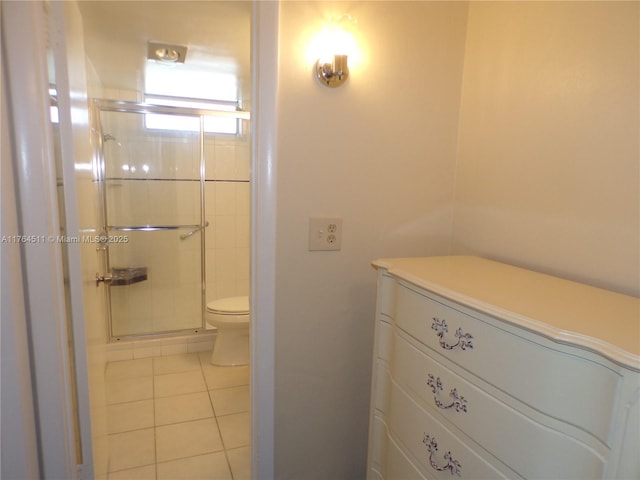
{"points": [[335, 43], [334, 73]]}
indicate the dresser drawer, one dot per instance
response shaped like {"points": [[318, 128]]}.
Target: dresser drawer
{"points": [[561, 385], [388, 461], [386, 295], [436, 450], [498, 427], [384, 346], [382, 389]]}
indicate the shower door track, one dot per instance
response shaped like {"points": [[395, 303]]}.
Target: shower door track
{"points": [[153, 228], [134, 107], [100, 105]]}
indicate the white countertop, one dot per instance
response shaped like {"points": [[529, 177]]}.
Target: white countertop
{"points": [[566, 311]]}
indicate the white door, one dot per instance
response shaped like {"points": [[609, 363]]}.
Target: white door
{"points": [[84, 223], [59, 261]]}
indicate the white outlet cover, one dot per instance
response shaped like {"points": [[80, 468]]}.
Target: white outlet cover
{"points": [[325, 233]]}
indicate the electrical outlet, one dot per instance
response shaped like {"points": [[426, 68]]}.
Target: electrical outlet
{"points": [[325, 233]]}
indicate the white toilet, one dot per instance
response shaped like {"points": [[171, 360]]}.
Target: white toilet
{"points": [[231, 317]]}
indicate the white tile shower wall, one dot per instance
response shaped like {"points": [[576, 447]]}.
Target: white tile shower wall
{"points": [[227, 209], [227, 239], [227, 158]]}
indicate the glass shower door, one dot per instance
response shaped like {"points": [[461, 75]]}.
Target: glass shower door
{"points": [[152, 191]]}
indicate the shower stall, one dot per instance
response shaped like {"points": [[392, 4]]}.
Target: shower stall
{"points": [[174, 192]]}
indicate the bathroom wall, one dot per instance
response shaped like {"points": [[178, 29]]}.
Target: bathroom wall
{"points": [[380, 153], [544, 159], [227, 209], [548, 170]]}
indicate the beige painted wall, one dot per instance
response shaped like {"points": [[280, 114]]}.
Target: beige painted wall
{"points": [[548, 162], [540, 143], [380, 153]]}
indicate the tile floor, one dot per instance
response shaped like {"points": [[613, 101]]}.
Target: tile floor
{"points": [[178, 417]]}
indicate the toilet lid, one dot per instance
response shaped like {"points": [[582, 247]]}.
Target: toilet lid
{"points": [[230, 305]]}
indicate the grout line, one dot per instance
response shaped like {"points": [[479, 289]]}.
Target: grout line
{"points": [[214, 416], [155, 427], [129, 468], [215, 419]]}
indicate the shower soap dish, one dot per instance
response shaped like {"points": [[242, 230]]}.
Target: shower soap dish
{"points": [[128, 275]]}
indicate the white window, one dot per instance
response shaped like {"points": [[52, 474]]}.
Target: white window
{"points": [[212, 124], [182, 85]]}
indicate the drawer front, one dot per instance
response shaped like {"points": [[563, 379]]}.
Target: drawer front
{"points": [[388, 461], [386, 294], [563, 386], [382, 390], [436, 450], [378, 447], [499, 428], [385, 340]]}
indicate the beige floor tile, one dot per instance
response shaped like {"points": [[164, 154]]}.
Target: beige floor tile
{"points": [[179, 383], [205, 357], [240, 461], [142, 367], [131, 449], [235, 430], [183, 408], [230, 400], [212, 466], [124, 417], [129, 389], [147, 472], [187, 439], [176, 363], [224, 377]]}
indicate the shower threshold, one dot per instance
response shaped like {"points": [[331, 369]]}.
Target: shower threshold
{"points": [[158, 345]]}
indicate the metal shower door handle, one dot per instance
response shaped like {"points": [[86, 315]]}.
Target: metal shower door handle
{"points": [[106, 278], [184, 236]]}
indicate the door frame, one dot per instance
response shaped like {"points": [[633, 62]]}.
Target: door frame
{"points": [[263, 235]]}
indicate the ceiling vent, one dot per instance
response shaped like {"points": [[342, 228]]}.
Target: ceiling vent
{"points": [[165, 53]]}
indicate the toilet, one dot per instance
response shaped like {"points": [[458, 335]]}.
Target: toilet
{"points": [[231, 317]]}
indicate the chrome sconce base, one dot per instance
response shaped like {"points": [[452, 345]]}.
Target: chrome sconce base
{"points": [[333, 74]]}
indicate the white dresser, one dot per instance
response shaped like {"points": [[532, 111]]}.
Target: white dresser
{"points": [[485, 370]]}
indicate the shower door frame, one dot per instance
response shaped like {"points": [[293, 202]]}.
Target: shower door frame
{"points": [[105, 105]]}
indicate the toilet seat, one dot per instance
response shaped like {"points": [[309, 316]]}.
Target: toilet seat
{"points": [[229, 306]]}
